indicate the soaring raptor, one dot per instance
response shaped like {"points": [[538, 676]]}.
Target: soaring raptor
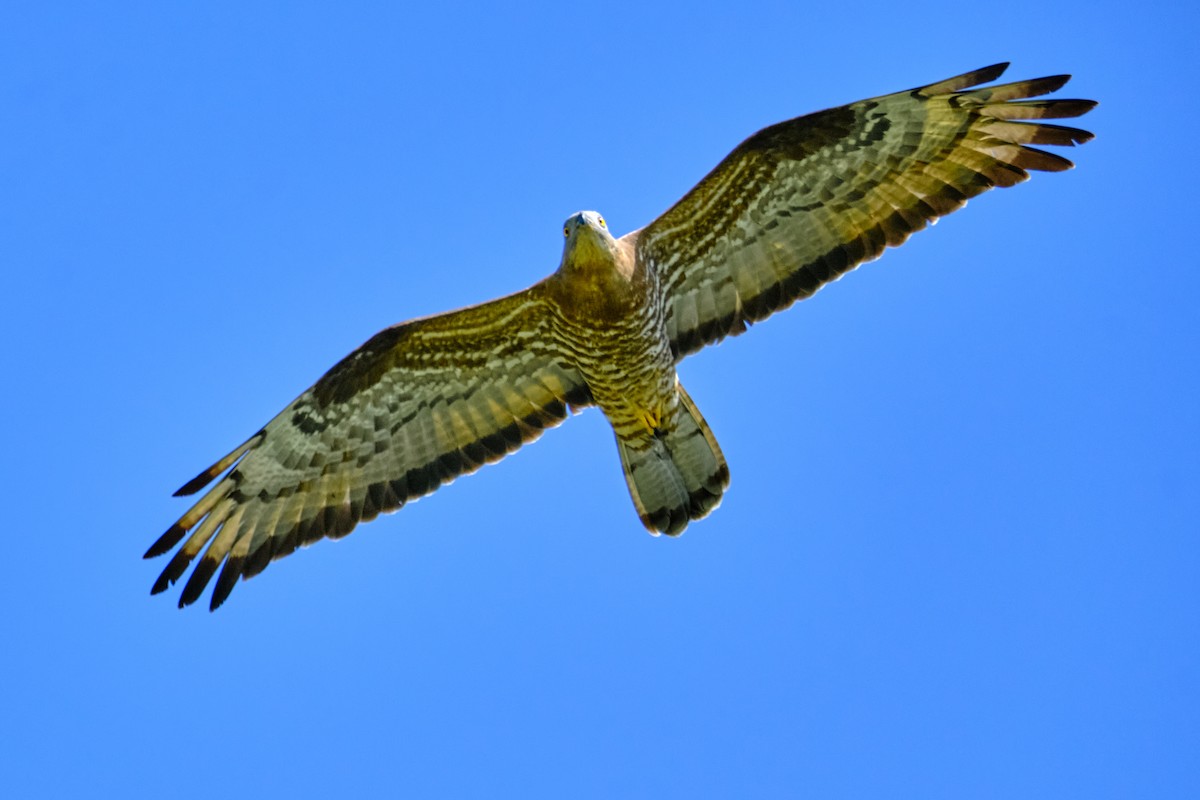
{"points": [[792, 208]]}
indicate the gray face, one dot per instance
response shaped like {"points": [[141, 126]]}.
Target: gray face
{"points": [[587, 239], [585, 220], [587, 236]]}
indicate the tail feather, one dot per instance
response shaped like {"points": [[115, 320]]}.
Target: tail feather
{"points": [[677, 475]]}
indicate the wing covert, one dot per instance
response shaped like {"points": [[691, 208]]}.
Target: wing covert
{"points": [[411, 409], [800, 203]]}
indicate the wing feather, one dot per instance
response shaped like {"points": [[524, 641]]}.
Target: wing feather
{"points": [[800, 203], [413, 408]]}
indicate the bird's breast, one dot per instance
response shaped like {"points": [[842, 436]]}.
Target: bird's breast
{"points": [[614, 333]]}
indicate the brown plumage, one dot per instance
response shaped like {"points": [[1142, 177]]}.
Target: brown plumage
{"points": [[793, 207]]}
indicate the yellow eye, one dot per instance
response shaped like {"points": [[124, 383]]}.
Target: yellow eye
{"points": [[566, 232], [602, 225]]}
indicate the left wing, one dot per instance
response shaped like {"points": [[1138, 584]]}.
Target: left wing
{"points": [[417, 405], [800, 203]]}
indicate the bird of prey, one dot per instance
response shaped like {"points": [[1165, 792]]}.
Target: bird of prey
{"points": [[793, 207]]}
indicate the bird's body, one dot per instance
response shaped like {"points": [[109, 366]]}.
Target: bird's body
{"points": [[612, 310], [792, 208]]}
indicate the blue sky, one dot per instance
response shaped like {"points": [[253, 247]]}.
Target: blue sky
{"points": [[959, 555]]}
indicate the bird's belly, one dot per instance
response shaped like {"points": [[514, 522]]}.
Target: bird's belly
{"points": [[614, 329], [631, 375]]}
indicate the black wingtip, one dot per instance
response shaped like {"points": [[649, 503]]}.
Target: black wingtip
{"points": [[1052, 83], [965, 81], [166, 541], [196, 484], [199, 579], [204, 478], [176, 568], [226, 581], [991, 73]]}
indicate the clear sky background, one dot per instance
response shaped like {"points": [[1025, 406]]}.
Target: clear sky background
{"points": [[960, 552]]}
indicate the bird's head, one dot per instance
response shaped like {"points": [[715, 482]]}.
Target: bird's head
{"points": [[587, 239]]}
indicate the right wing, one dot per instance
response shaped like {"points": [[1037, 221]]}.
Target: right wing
{"points": [[417, 405]]}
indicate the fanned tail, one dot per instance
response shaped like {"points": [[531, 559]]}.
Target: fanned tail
{"points": [[677, 475]]}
